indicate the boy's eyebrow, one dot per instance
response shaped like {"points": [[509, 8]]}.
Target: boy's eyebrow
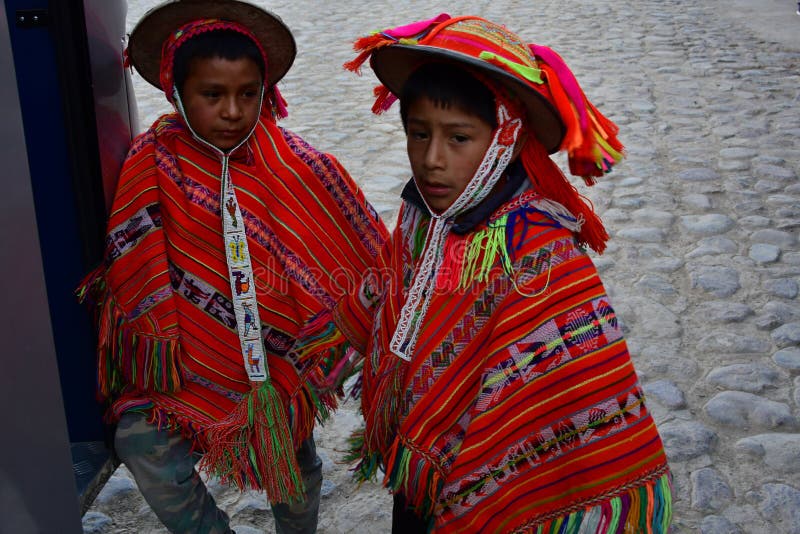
{"points": [[454, 124], [214, 83]]}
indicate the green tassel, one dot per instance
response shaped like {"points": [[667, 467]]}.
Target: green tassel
{"points": [[574, 522], [398, 477], [664, 489], [616, 512], [482, 252], [419, 240], [368, 462], [252, 447], [280, 442]]}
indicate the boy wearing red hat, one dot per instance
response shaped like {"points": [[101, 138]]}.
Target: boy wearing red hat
{"points": [[228, 240], [497, 389]]}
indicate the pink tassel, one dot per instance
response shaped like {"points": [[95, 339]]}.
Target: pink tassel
{"points": [[415, 28], [567, 79], [279, 103], [384, 99], [591, 142], [342, 369]]}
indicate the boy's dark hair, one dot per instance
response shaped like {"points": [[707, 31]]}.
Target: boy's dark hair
{"points": [[225, 44], [447, 85]]}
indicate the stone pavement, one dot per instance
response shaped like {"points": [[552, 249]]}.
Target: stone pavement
{"points": [[704, 214]]}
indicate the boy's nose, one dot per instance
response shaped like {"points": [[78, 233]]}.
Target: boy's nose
{"points": [[232, 110], [434, 155]]}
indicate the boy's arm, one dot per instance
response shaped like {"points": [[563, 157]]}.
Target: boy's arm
{"points": [[354, 313]]}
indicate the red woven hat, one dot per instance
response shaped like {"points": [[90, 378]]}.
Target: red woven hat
{"points": [[559, 114]]}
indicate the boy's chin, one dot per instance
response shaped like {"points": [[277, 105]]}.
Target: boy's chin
{"points": [[438, 206], [225, 147], [226, 144]]}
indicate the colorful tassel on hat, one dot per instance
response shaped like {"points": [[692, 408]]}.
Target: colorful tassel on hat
{"points": [[383, 99], [278, 103], [591, 139], [407, 34], [366, 46]]}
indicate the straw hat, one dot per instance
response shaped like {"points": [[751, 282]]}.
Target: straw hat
{"points": [[146, 40]]}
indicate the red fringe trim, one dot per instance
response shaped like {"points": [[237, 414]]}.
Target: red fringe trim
{"points": [[124, 356], [551, 183], [366, 45], [449, 276], [381, 402]]}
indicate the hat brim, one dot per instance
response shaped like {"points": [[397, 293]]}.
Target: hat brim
{"points": [[147, 38], [394, 64]]}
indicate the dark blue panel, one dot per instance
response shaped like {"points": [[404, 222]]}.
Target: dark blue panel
{"points": [[61, 239]]}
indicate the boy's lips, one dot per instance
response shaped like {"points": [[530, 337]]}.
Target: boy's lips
{"points": [[434, 189], [230, 134]]}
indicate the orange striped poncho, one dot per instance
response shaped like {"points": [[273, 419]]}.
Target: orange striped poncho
{"points": [[519, 410], [168, 334]]}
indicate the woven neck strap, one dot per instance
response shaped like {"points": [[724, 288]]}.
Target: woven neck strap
{"points": [[237, 255], [240, 272]]}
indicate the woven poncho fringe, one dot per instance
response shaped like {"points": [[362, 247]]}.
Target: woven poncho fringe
{"points": [[520, 410], [168, 342]]}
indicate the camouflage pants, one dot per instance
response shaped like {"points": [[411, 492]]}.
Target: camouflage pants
{"points": [[164, 470]]}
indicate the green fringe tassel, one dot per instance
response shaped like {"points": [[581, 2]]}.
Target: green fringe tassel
{"points": [[124, 356], [482, 252], [368, 462], [252, 447], [414, 476]]}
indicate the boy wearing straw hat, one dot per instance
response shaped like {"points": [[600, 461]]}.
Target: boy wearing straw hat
{"points": [[228, 240], [498, 392]]}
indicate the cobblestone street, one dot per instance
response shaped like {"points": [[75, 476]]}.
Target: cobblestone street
{"points": [[704, 216]]}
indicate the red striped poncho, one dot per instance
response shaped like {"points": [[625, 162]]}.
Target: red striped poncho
{"points": [[520, 410], [168, 340]]}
